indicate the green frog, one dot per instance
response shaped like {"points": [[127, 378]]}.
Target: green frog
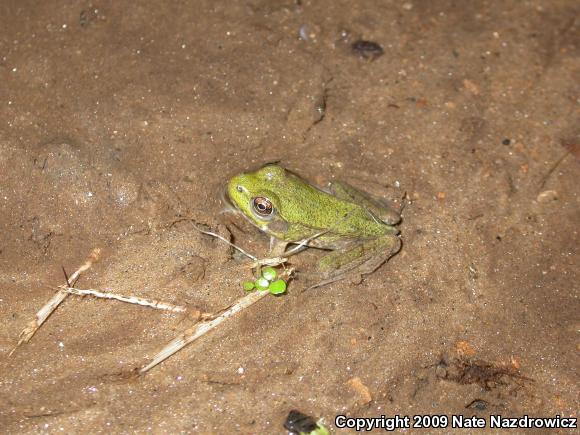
{"points": [[358, 229]]}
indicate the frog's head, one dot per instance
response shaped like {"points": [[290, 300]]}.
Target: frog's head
{"points": [[253, 194]]}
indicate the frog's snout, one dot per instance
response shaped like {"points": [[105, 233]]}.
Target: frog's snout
{"points": [[236, 190], [227, 201]]}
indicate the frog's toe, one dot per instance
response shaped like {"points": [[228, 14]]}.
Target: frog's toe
{"points": [[394, 244]]}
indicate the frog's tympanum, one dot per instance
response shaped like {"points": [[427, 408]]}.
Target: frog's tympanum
{"points": [[355, 227]]}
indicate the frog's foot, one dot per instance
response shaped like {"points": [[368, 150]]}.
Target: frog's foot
{"points": [[361, 259], [352, 278]]}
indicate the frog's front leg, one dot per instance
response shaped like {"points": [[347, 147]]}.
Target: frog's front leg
{"points": [[358, 259], [277, 247]]}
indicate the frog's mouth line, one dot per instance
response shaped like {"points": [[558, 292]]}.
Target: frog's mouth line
{"points": [[229, 206]]}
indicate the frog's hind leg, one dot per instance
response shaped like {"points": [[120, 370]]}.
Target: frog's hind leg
{"points": [[348, 193], [361, 259]]}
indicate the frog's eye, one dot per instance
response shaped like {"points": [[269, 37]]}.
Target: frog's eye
{"points": [[262, 206]]}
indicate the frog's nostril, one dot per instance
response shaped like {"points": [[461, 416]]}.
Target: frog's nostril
{"points": [[239, 188]]}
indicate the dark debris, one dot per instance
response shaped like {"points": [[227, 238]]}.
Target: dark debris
{"points": [[297, 422], [485, 374], [367, 49]]}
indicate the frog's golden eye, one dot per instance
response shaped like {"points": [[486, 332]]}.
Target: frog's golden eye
{"points": [[262, 206]]}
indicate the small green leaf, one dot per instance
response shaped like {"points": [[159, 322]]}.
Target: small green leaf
{"points": [[262, 283], [269, 273], [320, 430], [248, 286], [278, 287]]}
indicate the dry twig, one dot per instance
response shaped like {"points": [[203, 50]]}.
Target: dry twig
{"points": [[160, 305], [43, 314], [209, 321], [200, 329]]}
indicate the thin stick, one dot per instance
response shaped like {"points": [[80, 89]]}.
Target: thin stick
{"points": [[268, 261], [302, 243], [552, 169], [275, 261], [129, 299], [192, 334], [200, 329], [223, 239], [42, 314]]}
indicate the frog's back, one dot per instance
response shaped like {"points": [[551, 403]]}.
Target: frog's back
{"points": [[313, 208]]}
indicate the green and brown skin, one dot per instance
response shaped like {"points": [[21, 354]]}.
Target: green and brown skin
{"points": [[358, 229]]}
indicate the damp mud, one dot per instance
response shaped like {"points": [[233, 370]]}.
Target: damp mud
{"points": [[120, 124]]}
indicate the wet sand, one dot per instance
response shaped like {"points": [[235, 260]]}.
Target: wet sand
{"points": [[120, 125]]}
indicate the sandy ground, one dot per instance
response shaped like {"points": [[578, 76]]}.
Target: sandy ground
{"points": [[120, 123]]}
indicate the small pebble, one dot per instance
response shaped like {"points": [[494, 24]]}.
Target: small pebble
{"points": [[547, 196], [367, 49], [471, 87]]}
